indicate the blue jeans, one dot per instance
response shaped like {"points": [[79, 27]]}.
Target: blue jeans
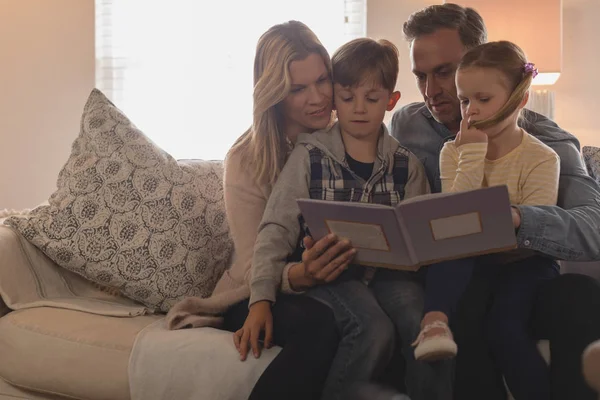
{"points": [[373, 317]]}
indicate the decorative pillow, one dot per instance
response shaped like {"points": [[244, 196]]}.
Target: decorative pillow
{"points": [[591, 157], [127, 215]]}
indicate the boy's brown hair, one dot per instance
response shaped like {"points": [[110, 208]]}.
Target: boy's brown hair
{"points": [[366, 59]]}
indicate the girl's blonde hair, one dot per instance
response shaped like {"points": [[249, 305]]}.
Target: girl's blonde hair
{"points": [[509, 59], [264, 145]]}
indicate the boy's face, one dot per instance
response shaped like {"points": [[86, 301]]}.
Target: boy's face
{"points": [[361, 108]]}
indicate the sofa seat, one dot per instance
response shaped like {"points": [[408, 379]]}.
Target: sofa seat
{"points": [[69, 353]]}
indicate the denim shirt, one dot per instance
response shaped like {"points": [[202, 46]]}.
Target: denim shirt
{"points": [[569, 231]]}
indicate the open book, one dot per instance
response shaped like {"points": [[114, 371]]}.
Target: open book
{"points": [[419, 231]]}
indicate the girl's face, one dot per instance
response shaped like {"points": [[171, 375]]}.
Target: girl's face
{"points": [[482, 92], [307, 107]]}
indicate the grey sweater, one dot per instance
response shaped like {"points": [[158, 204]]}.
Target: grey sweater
{"points": [[279, 229]]}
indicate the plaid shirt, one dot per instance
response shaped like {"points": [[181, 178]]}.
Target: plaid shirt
{"points": [[330, 180]]}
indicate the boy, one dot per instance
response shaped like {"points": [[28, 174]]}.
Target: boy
{"points": [[355, 160]]}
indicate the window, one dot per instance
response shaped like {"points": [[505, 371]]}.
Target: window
{"points": [[182, 70]]}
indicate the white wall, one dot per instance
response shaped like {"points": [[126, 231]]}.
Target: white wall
{"points": [[46, 74], [47, 71], [576, 92]]}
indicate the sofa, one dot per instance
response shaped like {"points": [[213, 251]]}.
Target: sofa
{"points": [[94, 329]]}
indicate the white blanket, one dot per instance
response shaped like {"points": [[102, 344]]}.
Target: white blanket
{"points": [[30, 279], [191, 364]]}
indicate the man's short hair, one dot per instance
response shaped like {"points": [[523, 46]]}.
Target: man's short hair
{"points": [[469, 24], [366, 59]]}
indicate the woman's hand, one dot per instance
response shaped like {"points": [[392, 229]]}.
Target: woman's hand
{"points": [[259, 318], [468, 135], [322, 262]]}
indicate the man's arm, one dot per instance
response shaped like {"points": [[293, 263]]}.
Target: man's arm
{"points": [[571, 230], [279, 229]]}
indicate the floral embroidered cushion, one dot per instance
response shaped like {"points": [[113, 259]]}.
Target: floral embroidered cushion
{"points": [[129, 216]]}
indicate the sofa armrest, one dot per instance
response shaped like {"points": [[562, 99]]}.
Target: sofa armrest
{"points": [[590, 268]]}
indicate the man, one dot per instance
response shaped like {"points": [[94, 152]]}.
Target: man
{"points": [[567, 307]]}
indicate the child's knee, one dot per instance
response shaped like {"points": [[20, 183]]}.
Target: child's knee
{"points": [[377, 332]]}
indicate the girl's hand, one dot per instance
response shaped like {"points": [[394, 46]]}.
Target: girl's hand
{"points": [[259, 318], [322, 262], [468, 135]]}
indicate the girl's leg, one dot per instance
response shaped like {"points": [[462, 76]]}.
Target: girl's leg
{"points": [[444, 285], [306, 331], [511, 342]]}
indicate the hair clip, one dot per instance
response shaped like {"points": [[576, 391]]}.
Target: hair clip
{"points": [[530, 68]]}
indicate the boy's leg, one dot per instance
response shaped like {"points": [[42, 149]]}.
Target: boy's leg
{"points": [[366, 335], [401, 296], [511, 341]]}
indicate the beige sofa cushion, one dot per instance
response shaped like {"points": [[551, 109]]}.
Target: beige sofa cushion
{"points": [[10, 392], [69, 353]]}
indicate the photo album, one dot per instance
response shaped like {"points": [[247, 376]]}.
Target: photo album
{"points": [[419, 231]]}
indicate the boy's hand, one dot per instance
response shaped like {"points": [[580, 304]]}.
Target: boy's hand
{"points": [[259, 318], [468, 135], [326, 259], [322, 262]]}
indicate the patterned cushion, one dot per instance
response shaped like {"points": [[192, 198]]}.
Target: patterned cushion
{"points": [[591, 157], [127, 215]]}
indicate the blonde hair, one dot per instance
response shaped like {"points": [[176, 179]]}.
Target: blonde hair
{"points": [[366, 58], [510, 60], [264, 145]]}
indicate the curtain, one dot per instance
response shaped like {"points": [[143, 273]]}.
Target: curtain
{"points": [[182, 69]]}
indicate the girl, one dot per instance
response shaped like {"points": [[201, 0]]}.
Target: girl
{"points": [[490, 149]]}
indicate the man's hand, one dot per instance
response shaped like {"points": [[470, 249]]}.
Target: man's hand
{"points": [[259, 318], [468, 135], [322, 262]]}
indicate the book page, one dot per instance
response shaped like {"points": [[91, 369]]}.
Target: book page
{"points": [[362, 235]]}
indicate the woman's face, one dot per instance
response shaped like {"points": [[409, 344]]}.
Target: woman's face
{"points": [[307, 107]]}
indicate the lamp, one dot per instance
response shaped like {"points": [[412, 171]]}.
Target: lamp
{"points": [[536, 27]]}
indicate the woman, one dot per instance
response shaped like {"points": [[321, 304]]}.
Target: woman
{"points": [[292, 95]]}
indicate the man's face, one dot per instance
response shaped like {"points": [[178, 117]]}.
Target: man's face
{"points": [[434, 59]]}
